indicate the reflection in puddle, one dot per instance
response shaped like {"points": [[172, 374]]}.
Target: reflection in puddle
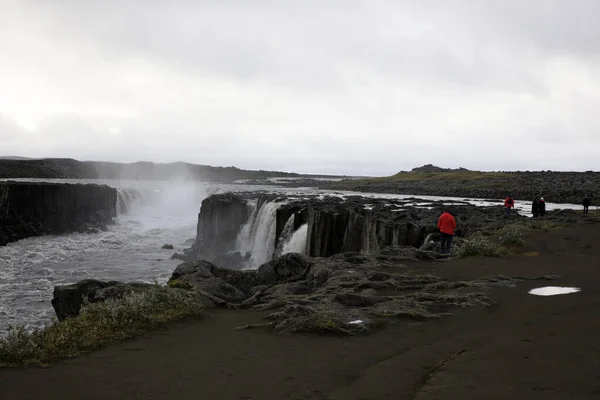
{"points": [[553, 290]]}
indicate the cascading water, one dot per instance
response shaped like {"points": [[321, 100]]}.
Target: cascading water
{"points": [[286, 235], [297, 242], [129, 199], [257, 236]]}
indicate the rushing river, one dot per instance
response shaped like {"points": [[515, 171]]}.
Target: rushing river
{"points": [[163, 213]]}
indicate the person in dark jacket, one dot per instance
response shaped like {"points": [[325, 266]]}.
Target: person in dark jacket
{"points": [[586, 204], [542, 207], [447, 226], [535, 207]]}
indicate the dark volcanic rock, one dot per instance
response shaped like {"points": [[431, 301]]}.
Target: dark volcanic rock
{"points": [[218, 286], [219, 222], [67, 300], [287, 268], [38, 208], [334, 225], [345, 293], [167, 247]]}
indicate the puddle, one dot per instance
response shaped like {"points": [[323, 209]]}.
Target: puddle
{"points": [[553, 290]]}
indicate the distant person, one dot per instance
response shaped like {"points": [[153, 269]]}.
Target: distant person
{"points": [[586, 204], [542, 207], [509, 204], [535, 207], [447, 225]]}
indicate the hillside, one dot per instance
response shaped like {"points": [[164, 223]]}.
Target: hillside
{"points": [[559, 187], [73, 169]]}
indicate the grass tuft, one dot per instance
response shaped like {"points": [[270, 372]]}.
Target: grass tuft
{"points": [[97, 325], [478, 245], [513, 234]]}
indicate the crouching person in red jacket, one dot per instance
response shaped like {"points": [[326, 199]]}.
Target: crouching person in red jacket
{"points": [[447, 225]]}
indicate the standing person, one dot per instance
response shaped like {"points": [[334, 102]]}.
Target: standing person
{"points": [[447, 225], [509, 204], [535, 207], [586, 204], [542, 207]]}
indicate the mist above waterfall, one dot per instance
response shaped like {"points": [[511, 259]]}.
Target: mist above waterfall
{"points": [[161, 204]]}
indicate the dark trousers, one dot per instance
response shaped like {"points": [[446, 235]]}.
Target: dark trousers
{"points": [[586, 209], [445, 243], [507, 211]]}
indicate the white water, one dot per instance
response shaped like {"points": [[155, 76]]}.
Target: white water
{"points": [[297, 243], [129, 251], [153, 214], [258, 234], [286, 235]]}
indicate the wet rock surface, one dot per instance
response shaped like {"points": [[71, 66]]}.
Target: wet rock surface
{"points": [[40, 208]]}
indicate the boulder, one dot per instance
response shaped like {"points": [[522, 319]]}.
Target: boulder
{"points": [[220, 284], [287, 268], [67, 300], [167, 247]]}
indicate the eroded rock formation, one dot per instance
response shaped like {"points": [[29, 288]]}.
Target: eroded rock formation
{"points": [[39, 208], [245, 230]]}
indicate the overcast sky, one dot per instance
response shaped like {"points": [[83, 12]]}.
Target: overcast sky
{"points": [[318, 86]]}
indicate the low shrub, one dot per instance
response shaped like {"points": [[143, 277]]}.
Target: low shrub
{"points": [[513, 234], [97, 325], [478, 245]]}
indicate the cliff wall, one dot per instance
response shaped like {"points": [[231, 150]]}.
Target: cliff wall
{"points": [[39, 208], [246, 230]]}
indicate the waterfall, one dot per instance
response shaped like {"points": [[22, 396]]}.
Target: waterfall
{"points": [[286, 235], [297, 242], [257, 236], [128, 200]]}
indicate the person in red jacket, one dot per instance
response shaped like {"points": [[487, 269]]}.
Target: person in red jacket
{"points": [[509, 204], [447, 225]]}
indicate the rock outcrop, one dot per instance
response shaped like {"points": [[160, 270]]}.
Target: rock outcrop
{"points": [[248, 229], [346, 293], [39, 208], [68, 299]]}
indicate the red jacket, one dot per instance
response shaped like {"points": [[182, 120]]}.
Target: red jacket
{"points": [[447, 223], [509, 202]]}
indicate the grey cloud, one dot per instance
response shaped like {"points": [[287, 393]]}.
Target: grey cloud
{"points": [[364, 87]]}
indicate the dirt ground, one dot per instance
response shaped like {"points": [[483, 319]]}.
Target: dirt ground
{"points": [[526, 347]]}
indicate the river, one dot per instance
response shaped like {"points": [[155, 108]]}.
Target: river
{"points": [[159, 213]]}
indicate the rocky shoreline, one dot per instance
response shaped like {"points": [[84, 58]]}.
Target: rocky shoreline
{"points": [[40, 208]]}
